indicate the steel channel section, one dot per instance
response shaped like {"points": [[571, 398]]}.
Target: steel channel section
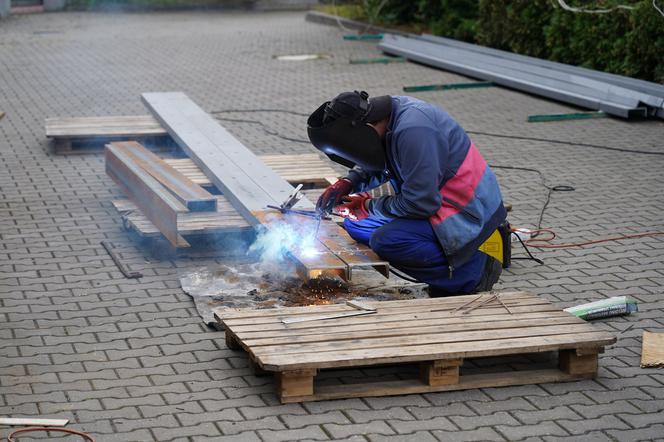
{"points": [[609, 91], [646, 87], [458, 61], [247, 182], [193, 196], [158, 205]]}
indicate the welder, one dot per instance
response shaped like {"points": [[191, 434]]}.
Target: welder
{"points": [[446, 205]]}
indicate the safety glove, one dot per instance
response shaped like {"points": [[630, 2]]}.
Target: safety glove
{"points": [[354, 207], [333, 195]]}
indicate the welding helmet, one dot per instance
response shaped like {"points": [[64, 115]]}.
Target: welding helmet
{"points": [[340, 129]]}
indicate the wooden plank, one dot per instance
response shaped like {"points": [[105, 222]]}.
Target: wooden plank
{"points": [[94, 127], [414, 330], [452, 350], [399, 326], [426, 305], [414, 386], [31, 421], [378, 319], [191, 195], [396, 344], [224, 220], [148, 194], [422, 304]]}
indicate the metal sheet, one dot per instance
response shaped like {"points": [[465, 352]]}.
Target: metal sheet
{"points": [[605, 90], [636, 84], [246, 181], [457, 61]]}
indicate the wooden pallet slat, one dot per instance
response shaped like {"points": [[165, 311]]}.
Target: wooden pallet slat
{"points": [[434, 333]]}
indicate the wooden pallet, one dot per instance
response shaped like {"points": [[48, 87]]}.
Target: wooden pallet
{"points": [[77, 135], [308, 169], [427, 332]]}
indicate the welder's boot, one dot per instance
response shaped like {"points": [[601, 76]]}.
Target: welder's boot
{"points": [[492, 270]]}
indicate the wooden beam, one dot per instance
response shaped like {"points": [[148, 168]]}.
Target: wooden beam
{"points": [[158, 205], [193, 196]]}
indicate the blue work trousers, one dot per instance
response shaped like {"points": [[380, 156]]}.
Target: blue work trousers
{"points": [[411, 246]]}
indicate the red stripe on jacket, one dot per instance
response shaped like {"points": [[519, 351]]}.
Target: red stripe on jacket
{"points": [[461, 187]]}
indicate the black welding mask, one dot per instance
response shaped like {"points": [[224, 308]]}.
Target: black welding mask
{"points": [[340, 129]]}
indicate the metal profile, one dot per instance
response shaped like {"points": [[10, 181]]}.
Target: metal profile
{"points": [[588, 93]]}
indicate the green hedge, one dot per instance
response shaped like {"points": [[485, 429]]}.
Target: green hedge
{"points": [[624, 42]]}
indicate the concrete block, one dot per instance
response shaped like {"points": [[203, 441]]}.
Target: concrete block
{"points": [[54, 5]]}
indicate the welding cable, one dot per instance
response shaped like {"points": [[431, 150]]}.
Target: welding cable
{"points": [[566, 143], [487, 134], [551, 189], [544, 243], [265, 128], [403, 276], [85, 436]]}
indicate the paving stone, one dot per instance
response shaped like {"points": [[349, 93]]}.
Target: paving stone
{"points": [[376, 427], [484, 434], [135, 354], [423, 436]]}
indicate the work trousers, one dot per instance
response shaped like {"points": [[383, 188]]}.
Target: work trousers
{"points": [[411, 246]]}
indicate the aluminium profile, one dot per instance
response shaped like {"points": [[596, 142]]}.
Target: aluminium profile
{"points": [[453, 60]]}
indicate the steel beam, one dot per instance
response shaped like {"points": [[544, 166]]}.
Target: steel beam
{"points": [[635, 84], [193, 196], [158, 205], [460, 61]]}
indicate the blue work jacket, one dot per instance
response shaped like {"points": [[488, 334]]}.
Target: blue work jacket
{"points": [[438, 174]]}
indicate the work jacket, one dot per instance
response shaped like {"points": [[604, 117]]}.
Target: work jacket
{"points": [[438, 174]]}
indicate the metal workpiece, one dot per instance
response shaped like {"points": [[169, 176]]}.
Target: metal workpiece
{"points": [[562, 86], [158, 205], [240, 175], [635, 84]]}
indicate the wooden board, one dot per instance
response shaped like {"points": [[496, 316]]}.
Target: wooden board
{"points": [[100, 127], [296, 169], [436, 333], [652, 352], [158, 205], [190, 194]]}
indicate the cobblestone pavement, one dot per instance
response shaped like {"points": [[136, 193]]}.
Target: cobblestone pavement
{"points": [[129, 360]]}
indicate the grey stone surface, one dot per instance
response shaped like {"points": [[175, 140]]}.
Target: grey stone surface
{"points": [[128, 359]]}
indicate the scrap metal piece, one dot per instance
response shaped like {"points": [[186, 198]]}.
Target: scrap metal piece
{"points": [[325, 317], [111, 252]]}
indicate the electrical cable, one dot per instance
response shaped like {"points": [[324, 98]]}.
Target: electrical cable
{"points": [[403, 276], [488, 134], [543, 243], [567, 7], [654, 4], [567, 143], [265, 128], [281, 111], [85, 436]]}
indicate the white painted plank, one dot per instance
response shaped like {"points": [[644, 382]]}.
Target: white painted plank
{"points": [[33, 421]]}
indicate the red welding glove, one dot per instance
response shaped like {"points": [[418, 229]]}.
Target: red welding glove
{"points": [[334, 194], [355, 207]]}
